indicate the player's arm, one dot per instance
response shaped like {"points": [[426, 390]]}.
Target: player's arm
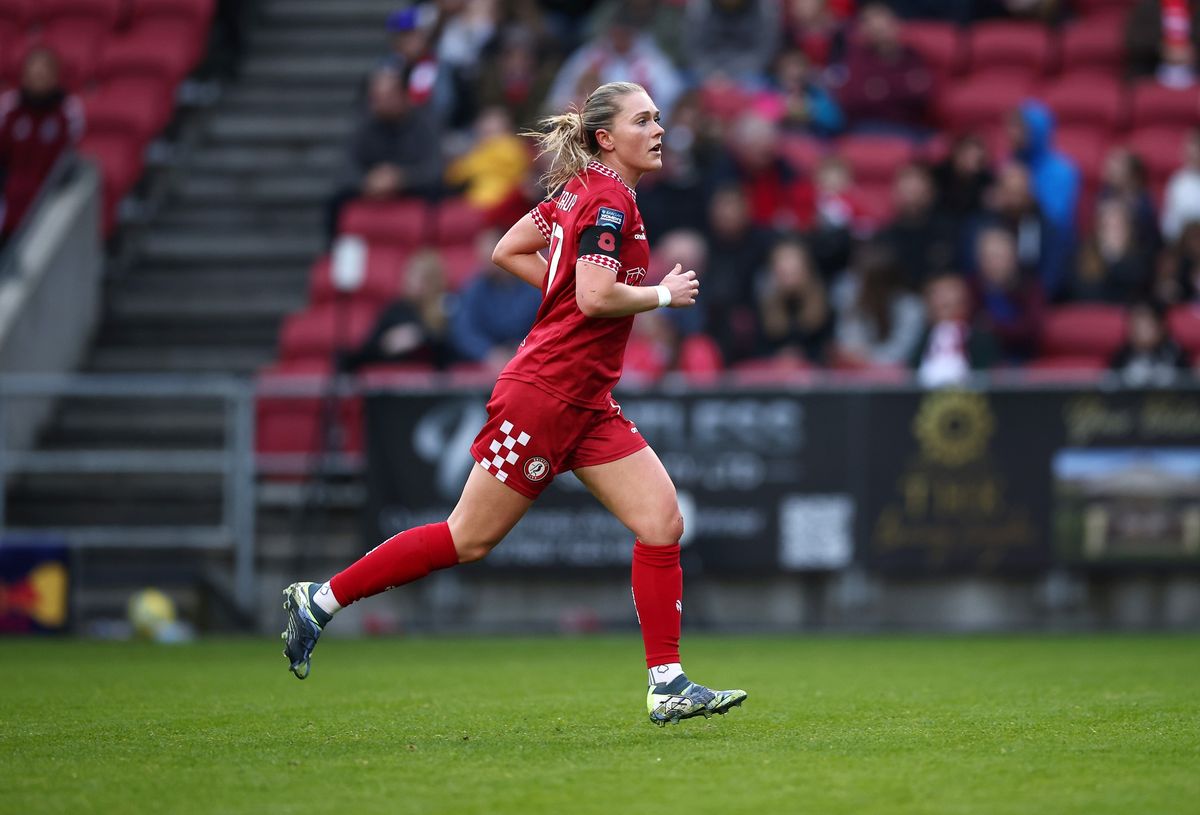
{"points": [[518, 252], [600, 295]]}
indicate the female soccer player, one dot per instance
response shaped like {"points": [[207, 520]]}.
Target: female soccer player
{"points": [[552, 409]]}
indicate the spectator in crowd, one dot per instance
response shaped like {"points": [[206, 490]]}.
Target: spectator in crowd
{"points": [[676, 197], [795, 319], [887, 84], [814, 28], [463, 29], [494, 311], [879, 321], [1011, 305], [414, 57], [962, 179], [1114, 265], [1040, 248], [1181, 203], [687, 248], [838, 215], [38, 122], [395, 151], [414, 329], [1125, 180], [1178, 279], [1055, 178], [919, 237], [514, 77], [623, 54], [778, 197], [737, 249], [1161, 40], [736, 39], [495, 166], [802, 103], [1149, 356], [663, 21], [953, 345]]}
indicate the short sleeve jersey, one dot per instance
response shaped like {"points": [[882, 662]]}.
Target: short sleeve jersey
{"points": [[571, 356]]}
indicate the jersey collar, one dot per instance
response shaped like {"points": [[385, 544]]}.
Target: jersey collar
{"points": [[603, 169]]}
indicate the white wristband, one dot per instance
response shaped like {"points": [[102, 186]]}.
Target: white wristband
{"points": [[664, 296]]}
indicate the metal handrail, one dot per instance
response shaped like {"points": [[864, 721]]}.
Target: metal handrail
{"points": [[63, 167]]}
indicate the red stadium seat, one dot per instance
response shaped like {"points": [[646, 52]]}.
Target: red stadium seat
{"points": [[17, 12], [802, 152], [1011, 46], [723, 100], [941, 45], [1184, 324], [320, 330], [981, 101], [382, 283], [182, 22], [1091, 8], [142, 55], [462, 262], [1089, 98], [1086, 147], [399, 223], [117, 109], [456, 221], [120, 158], [1094, 42], [772, 371], [195, 11], [1161, 148], [875, 159], [1085, 330], [1155, 105], [290, 423], [102, 13], [1077, 370]]}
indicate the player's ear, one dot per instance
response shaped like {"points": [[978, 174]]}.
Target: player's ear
{"points": [[605, 140]]}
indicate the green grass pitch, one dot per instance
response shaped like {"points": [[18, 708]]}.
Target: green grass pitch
{"points": [[1020, 725]]}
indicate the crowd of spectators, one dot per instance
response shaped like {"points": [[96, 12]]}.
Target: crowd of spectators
{"points": [[950, 264]]}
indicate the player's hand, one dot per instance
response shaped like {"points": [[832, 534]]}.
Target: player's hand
{"points": [[684, 287]]}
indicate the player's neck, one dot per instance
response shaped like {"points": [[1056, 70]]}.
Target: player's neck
{"points": [[630, 177]]}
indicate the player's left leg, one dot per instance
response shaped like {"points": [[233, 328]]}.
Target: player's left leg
{"points": [[638, 491]]}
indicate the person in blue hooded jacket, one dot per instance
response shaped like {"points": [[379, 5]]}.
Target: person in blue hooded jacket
{"points": [[1056, 180]]}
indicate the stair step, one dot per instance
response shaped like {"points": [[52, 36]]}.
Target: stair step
{"points": [[216, 332], [285, 281], [259, 189], [212, 305], [288, 128], [279, 216], [186, 247], [363, 13], [339, 36], [299, 159], [311, 71], [181, 359]]}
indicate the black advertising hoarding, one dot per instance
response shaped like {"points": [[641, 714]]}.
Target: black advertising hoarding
{"points": [[761, 479], [1004, 481]]}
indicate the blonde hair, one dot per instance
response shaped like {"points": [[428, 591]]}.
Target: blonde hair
{"points": [[570, 138]]}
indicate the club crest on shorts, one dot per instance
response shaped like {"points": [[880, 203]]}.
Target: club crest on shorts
{"points": [[537, 468]]}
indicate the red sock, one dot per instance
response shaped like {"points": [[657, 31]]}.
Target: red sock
{"points": [[400, 559], [658, 598]]}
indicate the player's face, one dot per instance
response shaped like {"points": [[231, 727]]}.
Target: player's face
{"points": [[637, 134]]}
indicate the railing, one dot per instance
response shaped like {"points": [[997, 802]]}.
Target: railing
{"points": [[234, 462], [59, 174]]}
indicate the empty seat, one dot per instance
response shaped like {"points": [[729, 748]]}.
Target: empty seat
{"points": [[1012, 46], [119, 109], [142, 54], [1094, 42], [1161, 148], [1086, 98], [102, 13], [403, 223], [875, 159], [290, 409], [1184, 324], [1084, 330], [1092, 8], [802, 152], [1155, 105], [461, 262], [940, 44], [120, 158], [183, 22], [196, 11], [1086, 147], [723, 100], [382, 282], [981, 101], [456, 221], [320, 330], [16, 12]]}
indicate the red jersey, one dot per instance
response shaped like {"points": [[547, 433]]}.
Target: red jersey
{"points": [[33, 134], [566, 354]]}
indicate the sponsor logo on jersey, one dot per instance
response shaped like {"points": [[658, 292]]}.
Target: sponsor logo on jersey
{"points": [[633, 277], [537, 468], [610, 217], [567, 200], [639, 236]]}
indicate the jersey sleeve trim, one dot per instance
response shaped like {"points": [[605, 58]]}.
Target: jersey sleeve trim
{"points": [[604, 261], [540, 221]]}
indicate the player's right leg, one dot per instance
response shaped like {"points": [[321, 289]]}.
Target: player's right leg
{"points": [[485, 513]]}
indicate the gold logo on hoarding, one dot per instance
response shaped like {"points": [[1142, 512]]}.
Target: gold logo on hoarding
{"points": [[953, 427]]}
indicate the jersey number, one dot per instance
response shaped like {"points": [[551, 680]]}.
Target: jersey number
{"points": [[556, 243]]}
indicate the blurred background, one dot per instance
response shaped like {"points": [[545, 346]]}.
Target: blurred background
{"points": [[941, 375]]}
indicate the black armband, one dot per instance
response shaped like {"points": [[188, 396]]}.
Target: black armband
{"points": [[600, 240]]}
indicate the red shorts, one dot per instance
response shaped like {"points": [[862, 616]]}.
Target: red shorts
{"points": [[531, 436]]}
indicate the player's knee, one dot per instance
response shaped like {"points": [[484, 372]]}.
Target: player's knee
{"points": [[664, 529], [472, 550]]}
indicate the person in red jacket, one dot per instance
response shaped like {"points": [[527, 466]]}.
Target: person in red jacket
{"points": [[38, 122]]}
